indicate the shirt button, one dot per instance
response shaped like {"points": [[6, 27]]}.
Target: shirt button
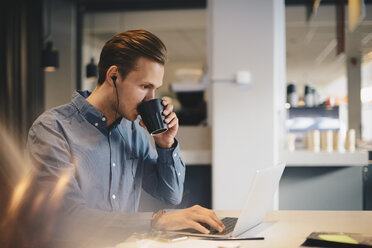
{"points": [[96, 124], [113, 196], [103, 118], [175, 155], [179, 174], [113, 164]]}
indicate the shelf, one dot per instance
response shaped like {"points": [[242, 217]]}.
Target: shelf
{"points": [[292, 159], [187, 87], [309, 158], [195, 144], [196, 157]]}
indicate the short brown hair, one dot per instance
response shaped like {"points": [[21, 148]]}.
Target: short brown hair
{"points": [[124, 49]]}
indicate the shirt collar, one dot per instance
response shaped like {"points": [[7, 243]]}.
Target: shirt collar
{"points": [[90, 113]]}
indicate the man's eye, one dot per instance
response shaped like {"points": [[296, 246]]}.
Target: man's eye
{"points": [[145, 86]]}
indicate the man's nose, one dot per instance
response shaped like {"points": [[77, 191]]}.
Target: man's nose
{"points": [[150, 95]]}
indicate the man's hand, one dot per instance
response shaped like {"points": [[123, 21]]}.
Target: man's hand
{"points": [[166, 139], [192, 217]]}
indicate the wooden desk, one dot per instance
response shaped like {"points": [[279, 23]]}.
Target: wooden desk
{"points": [[290, 228]]}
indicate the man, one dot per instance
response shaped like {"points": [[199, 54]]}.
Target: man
{"points": [[95, 152]]}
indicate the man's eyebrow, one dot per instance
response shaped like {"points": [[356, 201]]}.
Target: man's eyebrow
{"points": [[152, 85]]}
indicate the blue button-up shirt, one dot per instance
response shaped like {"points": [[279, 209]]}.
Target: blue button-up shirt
{"points": [[101, 168]]}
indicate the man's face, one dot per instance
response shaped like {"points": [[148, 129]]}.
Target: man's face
{"points": [[139, 86]]}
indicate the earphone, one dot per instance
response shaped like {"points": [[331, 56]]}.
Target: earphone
{"points": [[114, 80]]}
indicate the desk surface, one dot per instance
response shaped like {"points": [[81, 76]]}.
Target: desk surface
{"points": [[287, 229], [290, 228]]}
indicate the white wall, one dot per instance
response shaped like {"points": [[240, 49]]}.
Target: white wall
{"points": [[60, 84], [246, 121]]}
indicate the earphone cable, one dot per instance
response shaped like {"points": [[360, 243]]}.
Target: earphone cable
{"points": [[117, 102]]}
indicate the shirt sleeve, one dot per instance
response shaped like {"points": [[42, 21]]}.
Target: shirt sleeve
{"points": [[63, 201], [164, 174]]}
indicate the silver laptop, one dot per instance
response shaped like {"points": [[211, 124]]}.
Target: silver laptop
{"points": [[259, 201]]}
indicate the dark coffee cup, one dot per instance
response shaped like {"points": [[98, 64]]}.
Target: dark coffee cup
{"points": [[152, 115]]}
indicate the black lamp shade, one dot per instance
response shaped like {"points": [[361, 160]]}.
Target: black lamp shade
{"points": [[49, 57], [92, 71], [308, 89], [291, 88]]}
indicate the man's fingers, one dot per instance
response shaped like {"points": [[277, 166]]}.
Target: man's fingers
{"points": [[171, 120], [194, 217], [168, 109], [170, 117], [210, 222], [197, 226], [142, 124], [210, 218], [215, 218], [173, 123]]}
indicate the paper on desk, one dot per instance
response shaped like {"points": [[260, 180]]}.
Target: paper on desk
{"points": [[199, 243]]}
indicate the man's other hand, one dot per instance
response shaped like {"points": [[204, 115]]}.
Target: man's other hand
{"points": [[193, 217]]}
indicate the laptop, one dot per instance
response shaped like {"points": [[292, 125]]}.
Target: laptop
{"points": [[259, 200]]}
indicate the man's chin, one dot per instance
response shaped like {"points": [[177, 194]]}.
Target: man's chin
{"points": [[132, 118]]}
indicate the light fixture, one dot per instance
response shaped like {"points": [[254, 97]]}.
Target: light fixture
{"points": [[49, 57], [312, 9], [91, 68], [357, 12]]}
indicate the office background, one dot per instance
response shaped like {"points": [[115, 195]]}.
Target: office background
{"points": [[277, 42]]}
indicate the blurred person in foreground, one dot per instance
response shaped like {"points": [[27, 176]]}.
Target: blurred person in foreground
{"points": [[100, 155], [27, 213]]}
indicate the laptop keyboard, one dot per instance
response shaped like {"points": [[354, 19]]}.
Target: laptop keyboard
{"points": [[229, 223]]}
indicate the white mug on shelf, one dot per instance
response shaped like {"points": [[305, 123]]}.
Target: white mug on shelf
{"points": [[350, 140], [337, 141], [313, 141], [327, 141]]}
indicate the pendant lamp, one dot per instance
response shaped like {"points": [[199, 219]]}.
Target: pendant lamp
{"points": [[91, 69], [49, 56]]}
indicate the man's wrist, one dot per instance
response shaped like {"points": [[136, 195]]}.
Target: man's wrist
{"points": [[155, 219], [166, 145]]}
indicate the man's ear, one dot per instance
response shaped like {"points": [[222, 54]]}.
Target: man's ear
{"points": [[111, 74]]}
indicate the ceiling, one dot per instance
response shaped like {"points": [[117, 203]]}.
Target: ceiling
{"points": [[129, 5], [311, 45]]}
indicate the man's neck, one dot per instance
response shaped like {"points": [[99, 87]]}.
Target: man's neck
{"points": [[102, 99]]}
